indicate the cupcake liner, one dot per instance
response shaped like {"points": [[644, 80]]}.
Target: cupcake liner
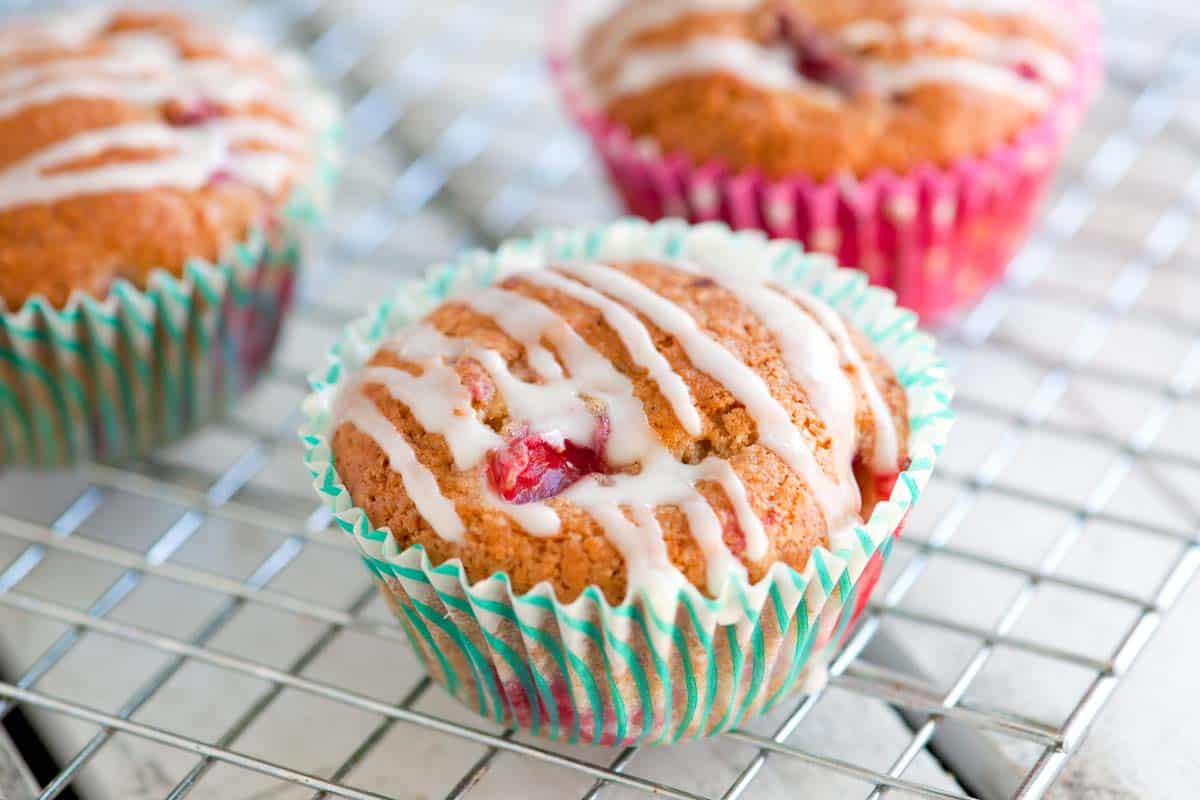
{"points": [[109, 379], [666, 664], [938, 236]]}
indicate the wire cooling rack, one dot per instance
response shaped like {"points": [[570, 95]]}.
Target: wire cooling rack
{"points": [[192, 627]]}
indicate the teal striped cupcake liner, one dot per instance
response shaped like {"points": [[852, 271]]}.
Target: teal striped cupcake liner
{"points": [[663, 666], [110, 379]]}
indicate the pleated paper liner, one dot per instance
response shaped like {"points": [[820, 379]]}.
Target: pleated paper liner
{"points": [[109, 380], [938, 236], [661, 667]]}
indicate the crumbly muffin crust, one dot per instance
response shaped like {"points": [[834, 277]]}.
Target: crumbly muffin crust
{"points": [[581, 553], [156, 95], [806, 87]]}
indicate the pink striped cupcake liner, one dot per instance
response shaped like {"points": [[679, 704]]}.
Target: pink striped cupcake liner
{"points": [[938, 236]]}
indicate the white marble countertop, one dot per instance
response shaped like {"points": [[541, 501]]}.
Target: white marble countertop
{"points": [[1144, 742]]}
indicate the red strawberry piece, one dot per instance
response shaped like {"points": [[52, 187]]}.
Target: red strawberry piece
{"points": [[528, 468], [732, 533], [1027, 71], [220, 176], [190, 112], [818, 56], [476, 380], [600, 434]]}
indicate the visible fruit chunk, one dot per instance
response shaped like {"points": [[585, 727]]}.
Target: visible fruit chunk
{"points": [[220, 177], [190, 112], [1027, 71], [476, 380], [732, 533], [818, 56], [528, 468]]}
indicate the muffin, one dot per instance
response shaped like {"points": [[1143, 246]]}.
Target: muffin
{"points": [[910, 138], [157, 178], [618, 483]]}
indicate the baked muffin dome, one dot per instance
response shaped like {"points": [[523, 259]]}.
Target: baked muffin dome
{"points": [[133, 141], [621, 424], [817, 88]]}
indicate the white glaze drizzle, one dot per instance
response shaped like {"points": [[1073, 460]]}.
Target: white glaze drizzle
{"points": [[437, 400], [752, 63], [1052, 15], [212, 80], [191, 156], [143, 67], [812, 360], [885, 457], [1005, 50], [357, 409], [640, 542], [425, 345], [553, 409], [527, 327], [637, 18], [775, 427], [617, 70], [624, 503], [903, 76], [638, 343], [663, 481], [772, 68], [660, 478], [164, 74], [65, 29], [591, 375], [707, 532]]}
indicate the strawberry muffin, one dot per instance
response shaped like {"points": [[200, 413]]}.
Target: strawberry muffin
{"points": [[620, 484], [155, 177], [908, 137]]}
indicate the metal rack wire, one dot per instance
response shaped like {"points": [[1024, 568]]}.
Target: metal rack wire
{"points": [[429, 173]]}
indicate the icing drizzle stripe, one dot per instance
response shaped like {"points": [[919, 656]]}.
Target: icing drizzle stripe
{"points": [[775, 427], [144, 68], [771, 68], [637, 342], [191, 157], [765, 67], [419, 482], [660, 475], [1004, 50], [989, 64], [886, 454], [812, 360]]}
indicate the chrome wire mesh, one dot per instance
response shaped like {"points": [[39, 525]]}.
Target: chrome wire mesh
{"points": [[184, 605]]}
